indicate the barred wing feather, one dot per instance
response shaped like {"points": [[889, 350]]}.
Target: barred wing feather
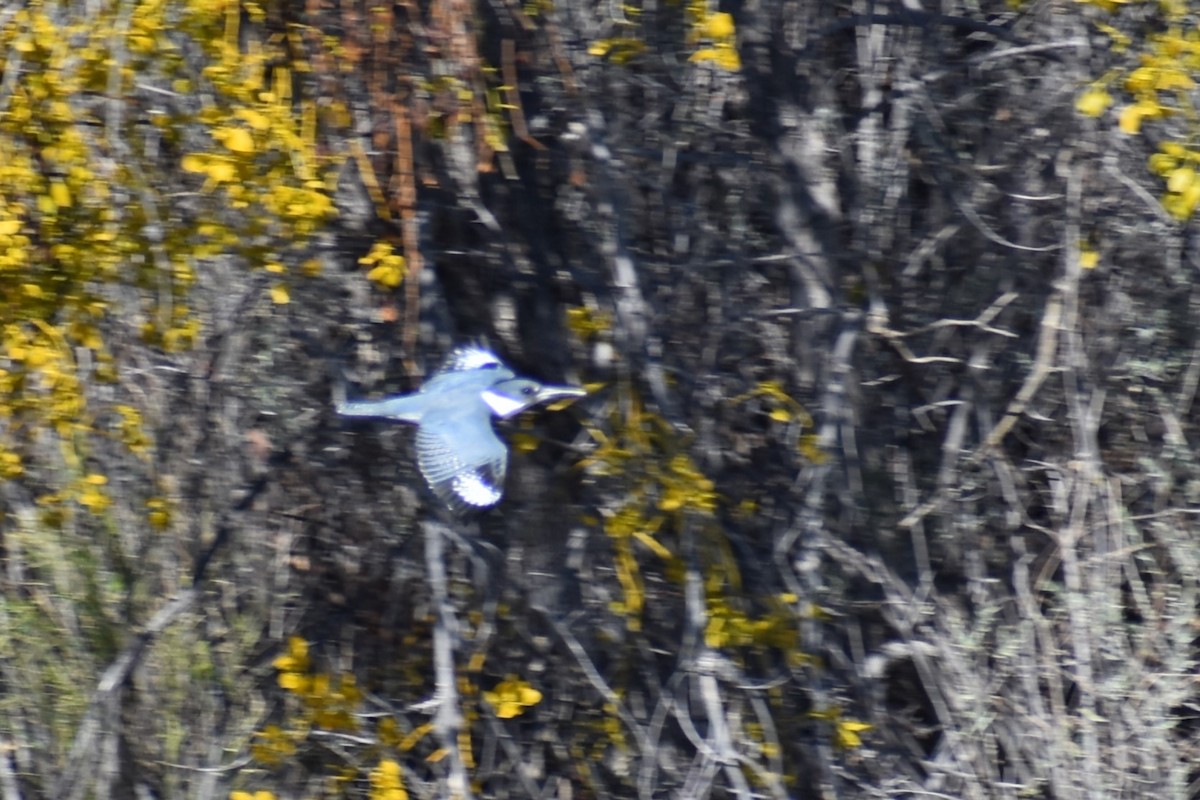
{"points": [[462, 459]]}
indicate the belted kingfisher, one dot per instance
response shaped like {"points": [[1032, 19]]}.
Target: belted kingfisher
{"points": [[458, 452]]}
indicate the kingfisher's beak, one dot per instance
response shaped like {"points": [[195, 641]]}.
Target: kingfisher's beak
{"points": [[559, 395]]}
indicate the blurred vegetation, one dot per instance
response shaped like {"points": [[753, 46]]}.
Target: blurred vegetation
{"points": [[883, 487]]}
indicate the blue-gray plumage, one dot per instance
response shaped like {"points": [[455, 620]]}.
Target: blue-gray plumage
{"points": [[458, 452]]}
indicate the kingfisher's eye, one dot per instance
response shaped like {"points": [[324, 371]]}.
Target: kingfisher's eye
{"points": [[528, 390]]}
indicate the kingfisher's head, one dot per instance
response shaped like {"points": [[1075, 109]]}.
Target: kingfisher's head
{"points": [[510, 397]]}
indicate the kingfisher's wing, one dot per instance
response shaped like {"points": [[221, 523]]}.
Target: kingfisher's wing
{"points": [[406, 408], [462, 459]]}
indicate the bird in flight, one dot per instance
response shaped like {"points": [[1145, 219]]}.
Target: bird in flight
{"points": [[458, 452]]}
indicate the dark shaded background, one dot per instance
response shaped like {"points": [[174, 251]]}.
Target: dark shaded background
{"points": [[952, 487]]}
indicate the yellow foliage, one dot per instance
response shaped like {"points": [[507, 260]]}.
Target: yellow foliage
{"points": [[194, 162], [238, 140], [1120, 42], [180, 337], [387, 732], [296, 659], [845, 731], [724, 56], [131, 431], [272, 745], [511, 697], [1107, 5], [10, 465], [618, 49], [719, 26], [387, 782], [684, 487], [624, 527], [296, 682], [327, 702], [387, 267], [662, 484], [1159, 85], [255, 118], [417, 734], [1094, 101], [1178, 167], [93, 499], [158, 513], [783, 409], [60, 194], [523, 442], [586, 323], [1179, 180], [729, 627], [718, 29]]}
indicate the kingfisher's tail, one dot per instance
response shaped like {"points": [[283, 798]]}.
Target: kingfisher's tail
{"points": [[406, 408]]}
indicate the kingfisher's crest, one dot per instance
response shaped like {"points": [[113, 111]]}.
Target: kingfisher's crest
{"points": [[462, 359]]}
